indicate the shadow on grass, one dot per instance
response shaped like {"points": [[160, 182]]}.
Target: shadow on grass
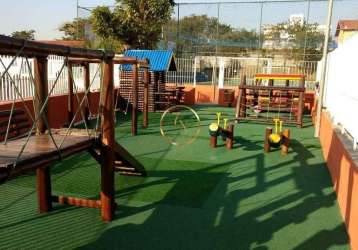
{"points": [[229, 221]]}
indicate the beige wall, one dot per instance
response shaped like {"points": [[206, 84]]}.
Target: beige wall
{"points": [[344, 35]]}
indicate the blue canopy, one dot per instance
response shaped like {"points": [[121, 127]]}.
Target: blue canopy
{"points": [[159, 60]]}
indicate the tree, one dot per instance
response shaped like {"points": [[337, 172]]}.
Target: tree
{"points": [[74, 30], [24, 34], [208, 34], [137, 23], [299, 40]]}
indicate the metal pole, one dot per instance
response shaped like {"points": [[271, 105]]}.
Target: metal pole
{"points": [[78, 30], [324, 69], [306, 27], [178, 25], [217, 30]]}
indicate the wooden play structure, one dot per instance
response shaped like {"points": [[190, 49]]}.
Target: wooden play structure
{"points": [[137, 66], [40, 146], [226, 132], [272, 95], [160, 96], [279, 138]]}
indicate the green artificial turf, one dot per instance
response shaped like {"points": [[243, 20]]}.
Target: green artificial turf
{"points": [[194, 197]]}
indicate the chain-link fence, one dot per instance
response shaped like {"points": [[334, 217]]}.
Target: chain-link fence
{"points": [[247, 37]]}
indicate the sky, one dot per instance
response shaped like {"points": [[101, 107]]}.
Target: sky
{"points": [[45, 16]]}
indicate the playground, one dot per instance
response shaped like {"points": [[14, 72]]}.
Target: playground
{"points": [[180, 130], [194, 197]]}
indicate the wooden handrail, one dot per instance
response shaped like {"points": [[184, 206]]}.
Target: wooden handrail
{"points": [[11, 46]]}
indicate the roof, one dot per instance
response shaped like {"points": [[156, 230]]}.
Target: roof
{"points": [[347, 25], [159, 60]]}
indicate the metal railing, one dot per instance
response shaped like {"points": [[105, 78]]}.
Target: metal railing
{"points": [[22, 77], [203, 70]]}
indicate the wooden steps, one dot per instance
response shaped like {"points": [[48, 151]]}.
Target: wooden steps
{"points": [[124, 164]]}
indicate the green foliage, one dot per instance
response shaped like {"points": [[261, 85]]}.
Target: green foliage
{"points": [[74, 30], [202, 33], [305, 40], [24, 34], [137, 23]]}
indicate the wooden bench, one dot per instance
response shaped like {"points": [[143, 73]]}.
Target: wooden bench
{"points": [[19, 125]]}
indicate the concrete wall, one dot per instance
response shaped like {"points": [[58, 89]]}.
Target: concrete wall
{"points": [[212, 94], [57, 108], [342, 165]]}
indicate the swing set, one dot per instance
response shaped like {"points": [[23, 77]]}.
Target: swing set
{"points": [[42, 146], [272, 95]]}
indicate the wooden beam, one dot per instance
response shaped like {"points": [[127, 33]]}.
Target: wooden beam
{"points": [[41, 89], [146, 79], [134, 98], [286, 141], [87, 82], [301, 104], [268, 132], [76, 201], [44, 189], [241, 100], [70, 97], [213, 141], [230, 137], [11, 46], [108, 142], [258, 87]]}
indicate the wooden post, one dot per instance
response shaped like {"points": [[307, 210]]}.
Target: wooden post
{"points": [[135, 98], [301, 104], [108, 142], [44, 189], [146, 80], [43, 173], [286, 141], [270, 82], [70, 100], [41, 86], [213, 141], [230, 137], [267, 141], [87, 82], [241, 100]]}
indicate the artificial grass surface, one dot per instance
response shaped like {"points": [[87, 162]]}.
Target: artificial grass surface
{"points": [[194, 197]]}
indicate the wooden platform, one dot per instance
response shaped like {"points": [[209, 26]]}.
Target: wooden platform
{"points": [[41, 150]]}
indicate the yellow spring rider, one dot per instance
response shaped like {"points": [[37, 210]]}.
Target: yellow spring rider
{"points": [[280, 138], [226, 132]]}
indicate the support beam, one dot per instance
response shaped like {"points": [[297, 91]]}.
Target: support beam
{"points": [[241, 100], [70, 97], [76, 201], [324, 69], [301, 103], [41, 88], [230, 137], [134, 98], [268, 132], [146, 79], [213, 141], [87, 82], [286, 141], [108, 142], [44, 189]]}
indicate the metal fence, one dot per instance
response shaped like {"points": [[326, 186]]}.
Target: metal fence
{"points": [[20, 74], [228, 71]]}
